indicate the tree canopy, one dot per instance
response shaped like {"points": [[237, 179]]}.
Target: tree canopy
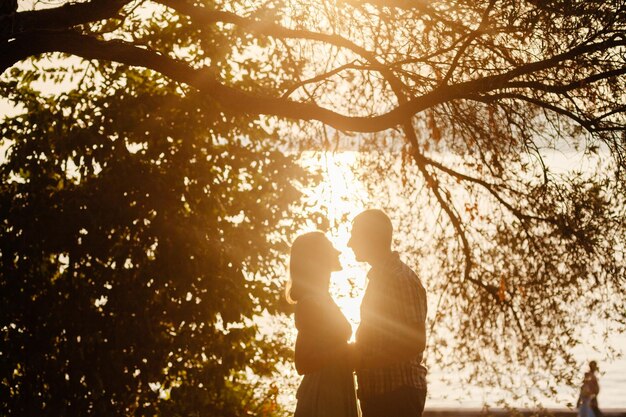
{"points": [[171, 137]]}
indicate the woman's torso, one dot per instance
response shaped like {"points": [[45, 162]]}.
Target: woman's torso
{"points": [[320, 323], [323, 331]]}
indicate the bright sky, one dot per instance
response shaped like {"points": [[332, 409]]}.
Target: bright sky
{"points": [[345, 197]]}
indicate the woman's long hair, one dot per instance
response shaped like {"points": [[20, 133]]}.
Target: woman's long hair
{"points": [[308, 259]]}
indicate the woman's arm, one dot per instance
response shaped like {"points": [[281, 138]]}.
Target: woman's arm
{"points": [[318, 343], [311, 356]]}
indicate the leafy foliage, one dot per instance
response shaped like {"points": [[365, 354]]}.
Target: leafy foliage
{"points": [[141, 233]]}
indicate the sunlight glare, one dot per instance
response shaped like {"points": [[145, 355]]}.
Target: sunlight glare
{"points": [[341, 196]]}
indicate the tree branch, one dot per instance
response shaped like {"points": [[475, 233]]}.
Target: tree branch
{"points": [[59, 18], [487, 186], [588, 125], [468, 42], [34, 43], [420, 5], [206, 16], [326, 75], [564, 88]]}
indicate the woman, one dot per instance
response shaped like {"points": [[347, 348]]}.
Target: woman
{"points": [[587, 400], [322, 350]]}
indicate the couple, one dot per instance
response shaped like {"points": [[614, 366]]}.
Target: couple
{"points": [[390, 340]]}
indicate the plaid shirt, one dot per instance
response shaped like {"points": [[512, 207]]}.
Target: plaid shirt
{"points": [[393, 300]]}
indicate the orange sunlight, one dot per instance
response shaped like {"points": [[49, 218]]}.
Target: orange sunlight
{"points": [[341, 196]]}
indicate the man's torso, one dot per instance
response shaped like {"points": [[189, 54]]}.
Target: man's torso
{"points": [[394, 298]]}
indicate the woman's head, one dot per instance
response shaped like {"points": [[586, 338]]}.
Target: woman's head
{"points": [[313, 258]]}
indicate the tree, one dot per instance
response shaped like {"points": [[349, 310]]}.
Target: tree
{"points": [[489, 84], [142, 231]]}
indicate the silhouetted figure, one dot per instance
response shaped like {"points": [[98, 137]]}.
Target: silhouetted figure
{"points": [[322, 351], [8, 7], [588, 399], [391, 338]]}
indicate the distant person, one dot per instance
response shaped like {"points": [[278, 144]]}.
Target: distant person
{"points": [[391, 338], [322, 350], [587, 403]]}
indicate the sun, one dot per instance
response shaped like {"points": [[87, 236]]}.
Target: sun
{"points": [[341, 196]]}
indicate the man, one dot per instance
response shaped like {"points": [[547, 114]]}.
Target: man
{"points": [[391, 338], [593, 368], [587, 402]]}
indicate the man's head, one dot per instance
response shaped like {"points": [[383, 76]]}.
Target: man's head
{"points": [[371, 236]]}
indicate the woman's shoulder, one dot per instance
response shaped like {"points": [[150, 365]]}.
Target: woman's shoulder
{"points": [[310, 302], [306, 310]]}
